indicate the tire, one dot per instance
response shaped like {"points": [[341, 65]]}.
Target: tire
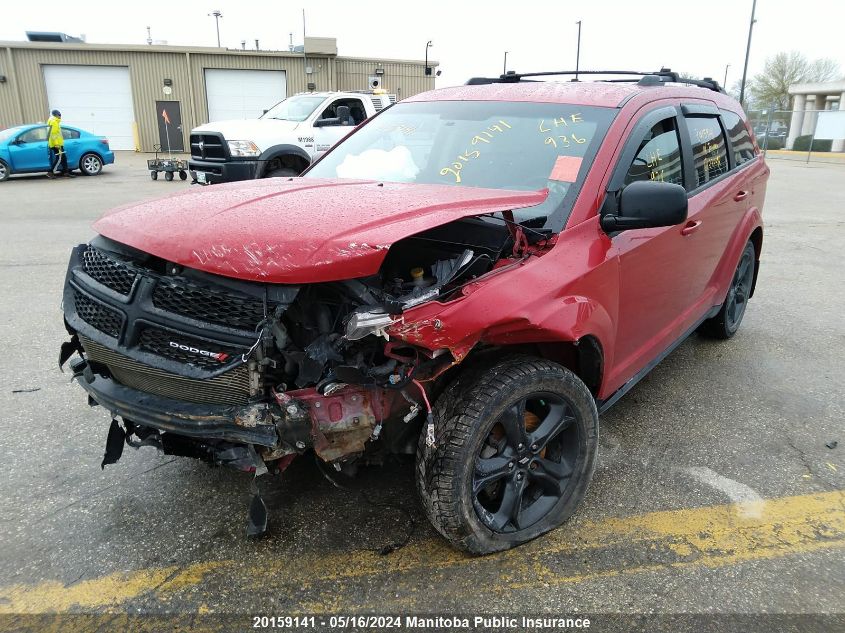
{"points": [[154, 175], [183, 175], [168, 176], [5, 171], [726, 323], [91, 164], [468, 480], [284, 172]]}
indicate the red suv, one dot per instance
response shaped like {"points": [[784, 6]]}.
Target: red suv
{"points": [[472, 276]]}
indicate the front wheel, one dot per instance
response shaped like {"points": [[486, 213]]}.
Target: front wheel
{"points": [[168, 176], [90, 165], [726, 323], [515, 448], [5, 172]]}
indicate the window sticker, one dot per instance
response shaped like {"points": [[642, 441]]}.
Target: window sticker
{"points": [[566, 168]]}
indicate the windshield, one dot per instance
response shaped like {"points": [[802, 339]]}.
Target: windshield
{"points": [[4, 134], [491, 144], [296, 108]]}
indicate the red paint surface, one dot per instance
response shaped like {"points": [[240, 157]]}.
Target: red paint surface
{"points": [[635, 293], [296, 231]]}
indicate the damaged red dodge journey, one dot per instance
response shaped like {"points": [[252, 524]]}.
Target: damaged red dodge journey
{"points": [[471, 276]]}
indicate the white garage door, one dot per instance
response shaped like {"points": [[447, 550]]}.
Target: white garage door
{"points": [[242, 94], [97, 99]]}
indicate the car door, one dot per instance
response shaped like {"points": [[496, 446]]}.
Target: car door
{"points": [[654, 263], [73, 146], [29, 152], [716, 201], [328, 135]]}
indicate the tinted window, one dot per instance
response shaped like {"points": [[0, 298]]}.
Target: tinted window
{"points": [[659, 156], [34, 135], [69, 134], [708, 148], [740, 139]]}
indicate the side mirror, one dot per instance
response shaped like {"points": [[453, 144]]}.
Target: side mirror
{"points": [[646, 204]]}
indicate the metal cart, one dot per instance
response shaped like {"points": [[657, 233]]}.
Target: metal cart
{"points": [[169, 166]]}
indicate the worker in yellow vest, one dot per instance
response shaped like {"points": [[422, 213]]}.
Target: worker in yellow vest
{"points": [[56, 145]]}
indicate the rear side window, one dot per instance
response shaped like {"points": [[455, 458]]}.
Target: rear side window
{"points": [[69, 134], [659, 156], [710, 157], [740, 139]]}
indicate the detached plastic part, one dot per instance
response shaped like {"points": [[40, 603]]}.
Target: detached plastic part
{"points": [[114, 444]]}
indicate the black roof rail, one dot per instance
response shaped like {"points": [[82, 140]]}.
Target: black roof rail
{"points": [[654, 78]]}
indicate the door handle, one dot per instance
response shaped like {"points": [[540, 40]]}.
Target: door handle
{"points": [[741, 195], [690, 227]]}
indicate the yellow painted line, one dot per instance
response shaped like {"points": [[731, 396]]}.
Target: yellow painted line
{"points": [[712, 536], [790, 152]]}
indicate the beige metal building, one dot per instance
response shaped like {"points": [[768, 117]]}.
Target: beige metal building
{"points": [[120, 91]]}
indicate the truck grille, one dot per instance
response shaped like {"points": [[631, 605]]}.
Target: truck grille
{"points": [[231, 388], [97, 315], [208, 147]]}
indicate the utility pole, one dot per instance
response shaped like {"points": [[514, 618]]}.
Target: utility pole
{"points": [[149, 37], [578, 52], [505, 66], [747, 52], [725, 82], [217, 15]]}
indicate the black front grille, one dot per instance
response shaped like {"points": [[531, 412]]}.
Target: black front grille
{"points": [[230, 388], [97, 315], [208, 147], [183, 349], [202, 303], [109, 271]]}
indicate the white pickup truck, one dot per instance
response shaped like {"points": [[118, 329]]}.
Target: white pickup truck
{"points": [[284, 140]]}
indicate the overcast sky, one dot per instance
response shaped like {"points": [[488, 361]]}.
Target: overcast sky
{"points": [[470, 37]]}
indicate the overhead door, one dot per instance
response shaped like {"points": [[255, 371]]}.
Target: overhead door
{"points": [[242, 94], [95, 98]]}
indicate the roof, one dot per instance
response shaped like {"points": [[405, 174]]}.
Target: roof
{"points": [[594, 93]]}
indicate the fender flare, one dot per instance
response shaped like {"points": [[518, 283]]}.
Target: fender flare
{"points": [[284, 150]]}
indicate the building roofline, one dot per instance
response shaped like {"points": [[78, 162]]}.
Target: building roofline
{"points": [[203, 50], [818, 87]]}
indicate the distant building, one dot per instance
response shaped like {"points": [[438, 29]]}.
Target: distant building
{"points": [[810, 99], [119, 91]]}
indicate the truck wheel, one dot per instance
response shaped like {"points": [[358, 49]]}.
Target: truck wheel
{"points": [[284, 172], [168, 176], [515, 448], [726, 323]]}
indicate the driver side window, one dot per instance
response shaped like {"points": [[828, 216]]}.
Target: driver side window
{"points": [[659, 156], [34, 135], [357, 113]]}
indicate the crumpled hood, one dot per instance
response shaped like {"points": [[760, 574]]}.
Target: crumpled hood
{"points": [[298, 230], [248, 129]]}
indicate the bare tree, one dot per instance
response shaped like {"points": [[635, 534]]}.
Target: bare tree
{"points": [[771, 87]]}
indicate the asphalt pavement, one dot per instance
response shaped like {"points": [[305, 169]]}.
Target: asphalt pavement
{"points": [[716, 491]]}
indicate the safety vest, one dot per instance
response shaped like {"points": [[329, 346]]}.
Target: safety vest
{"points": [[55, 138]]}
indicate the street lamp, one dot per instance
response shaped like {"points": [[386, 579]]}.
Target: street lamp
{"points": [[747, 51], [578, 52], [428, 45], [217, 15]]}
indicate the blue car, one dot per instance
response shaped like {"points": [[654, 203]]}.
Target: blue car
{"points": [[23, 150]]}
